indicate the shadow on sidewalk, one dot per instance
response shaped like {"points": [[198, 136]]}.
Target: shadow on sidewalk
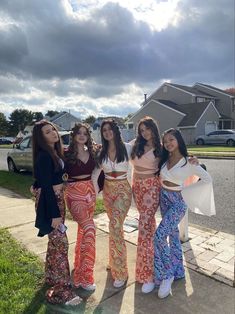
{"points": [[109, 286]]}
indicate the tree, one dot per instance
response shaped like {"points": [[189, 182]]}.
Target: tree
{"points": [[51, 113], [231, 91], [128, 117], [3, 125], [19, 118], [37, 116], [89, 120]]}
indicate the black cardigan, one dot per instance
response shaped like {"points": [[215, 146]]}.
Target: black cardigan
{"points": [[46, 177]]}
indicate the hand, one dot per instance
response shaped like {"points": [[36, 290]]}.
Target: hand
{"points": [[56, 222], [32, 190], [193, 160]]}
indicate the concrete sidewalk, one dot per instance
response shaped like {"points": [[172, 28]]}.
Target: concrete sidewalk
{"points": [[208, 258]]}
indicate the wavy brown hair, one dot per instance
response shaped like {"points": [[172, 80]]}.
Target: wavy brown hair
{"points": [[71, 154], [121, 153], [39, 144], [138, 147]]}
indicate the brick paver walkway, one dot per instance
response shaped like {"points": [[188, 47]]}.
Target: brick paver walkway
{"points": [[208, 251]]}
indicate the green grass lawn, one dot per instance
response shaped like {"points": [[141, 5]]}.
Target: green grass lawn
{"points": [[21, 182], [211, 148], [16, 182], [6, 146], [21, 277], [211, 151]]}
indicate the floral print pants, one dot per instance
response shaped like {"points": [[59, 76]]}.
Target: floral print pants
{"points": [[57, 273], [146, 194], [81, 200], [117, 201], [168, 260]]}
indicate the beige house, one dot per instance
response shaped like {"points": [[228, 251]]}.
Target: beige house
{"points": [[189, 109]]}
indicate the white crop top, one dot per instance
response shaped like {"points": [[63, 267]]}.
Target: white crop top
{"points": [[198, 196], [113, 166]]}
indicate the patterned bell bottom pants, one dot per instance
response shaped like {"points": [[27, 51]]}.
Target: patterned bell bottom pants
{"points": [[168, 259], [146, 195], [57, 273], [81, 200], [117, 201]]}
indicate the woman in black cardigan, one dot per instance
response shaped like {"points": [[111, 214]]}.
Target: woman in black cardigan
{"points": [[50, 211]]}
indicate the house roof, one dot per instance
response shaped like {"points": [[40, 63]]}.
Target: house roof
{"points": [[192, 90], [192, 111], [60, 115], [215, 89]]}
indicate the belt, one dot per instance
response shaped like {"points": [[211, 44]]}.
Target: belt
{"points": [[78, 179]]}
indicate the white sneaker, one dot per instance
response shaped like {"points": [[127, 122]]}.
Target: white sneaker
{"points": [[75, 301], [165, 288], [148, 287], [90, 287], [118, 283]]}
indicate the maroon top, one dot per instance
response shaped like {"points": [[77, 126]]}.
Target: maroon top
{"points": [[80, 168]]}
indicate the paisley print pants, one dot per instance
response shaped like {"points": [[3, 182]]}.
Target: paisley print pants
{"points": [[117, 201], [57, 273], [168, 260], [146, 194]]}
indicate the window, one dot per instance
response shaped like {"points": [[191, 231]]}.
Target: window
{"points": [[200, 99], [25, 143]]}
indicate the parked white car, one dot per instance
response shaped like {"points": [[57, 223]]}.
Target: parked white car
{"points": [[20, 156], [225, 137]]}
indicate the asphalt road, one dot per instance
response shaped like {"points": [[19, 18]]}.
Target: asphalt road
{"points": [[223, 174]]}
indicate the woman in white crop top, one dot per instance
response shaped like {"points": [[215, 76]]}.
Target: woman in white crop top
{"points": [[146, 186], [174, 169], [117, 194]]}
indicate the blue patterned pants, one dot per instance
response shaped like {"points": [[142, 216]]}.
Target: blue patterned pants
{"points": [[168, 259]]}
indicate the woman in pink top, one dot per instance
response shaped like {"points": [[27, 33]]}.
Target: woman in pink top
{"points": [[146, 186]]}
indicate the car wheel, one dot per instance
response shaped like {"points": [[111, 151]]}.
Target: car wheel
{"points": [[11, 165], [200, 142], [230, 143]]}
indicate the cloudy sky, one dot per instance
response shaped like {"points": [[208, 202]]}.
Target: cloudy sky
{"points": [[98, 57]]}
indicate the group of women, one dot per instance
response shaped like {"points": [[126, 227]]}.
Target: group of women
{"points": [[159, 173]]}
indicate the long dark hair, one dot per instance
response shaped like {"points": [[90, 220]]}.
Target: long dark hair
{"points": [[71, 154], [39, 144], [138, 148], [121, 153], [181, 145]]}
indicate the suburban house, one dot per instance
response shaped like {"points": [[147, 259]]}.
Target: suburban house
{"points": [[120, 121], [127, 134], [64, 120], [194, 110]]}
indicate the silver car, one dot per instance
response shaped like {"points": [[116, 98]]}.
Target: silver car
{"points": [[20, 156], [225, 137]]}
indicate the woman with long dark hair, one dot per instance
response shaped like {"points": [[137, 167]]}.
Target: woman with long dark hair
{"points": [[50, 211], [175, 198], [80, 197], [114, 160], [145, 156]]}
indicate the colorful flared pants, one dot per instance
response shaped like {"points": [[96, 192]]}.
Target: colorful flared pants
{"points": [[117, 201], [146, 194], [57, 273], [168, 259], [81, 200]]}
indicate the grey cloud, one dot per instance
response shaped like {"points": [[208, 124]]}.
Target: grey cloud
{"points": [[111, 49]]}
